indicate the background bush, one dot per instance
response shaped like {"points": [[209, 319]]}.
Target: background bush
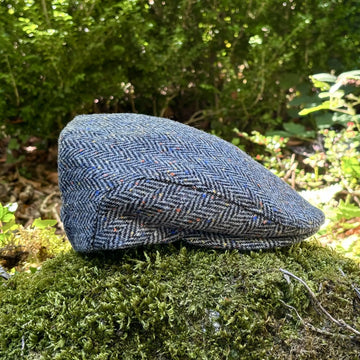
{"points": [[221, 62]]}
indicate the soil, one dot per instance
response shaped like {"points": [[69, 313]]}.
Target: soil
{"points": [[28, 177]]}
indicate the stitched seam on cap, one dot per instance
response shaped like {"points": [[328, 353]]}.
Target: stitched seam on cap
{"points": [[219, 196]]}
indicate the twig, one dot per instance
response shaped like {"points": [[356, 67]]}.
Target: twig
{"points": [[357, 291], [292, 171], [293, 177], [201, 115], [350, 191], [57, 218], [13, 81], [43, 208], [132, 98], [197, 116], [311, 326], [53, 209], [43, 5], [262, 81], [166, 104], [340, 322]]}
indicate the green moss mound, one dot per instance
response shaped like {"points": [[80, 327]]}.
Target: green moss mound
{"points": [[179, 302]]}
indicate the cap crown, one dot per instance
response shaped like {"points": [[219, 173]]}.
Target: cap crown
{"points": [[129, 179]]}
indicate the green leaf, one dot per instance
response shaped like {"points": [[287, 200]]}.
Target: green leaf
{"points": [[336, 103], [354, 74], [9, 227], [338, 94], [324, 121], [13, 144], [282, 133], [324, 77], [293, 128], [289, 80], [42, 224], [341, 118], [209, 88], [308, 134], [5, 214], [351, 165], [321, 85], [235, 141], [347, 211], [324, 94], [304, 100], [323, 106], [8, 217], [33, 269]]}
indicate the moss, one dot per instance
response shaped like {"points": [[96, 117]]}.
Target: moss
{"points": [[28, 247], [179, 302]]}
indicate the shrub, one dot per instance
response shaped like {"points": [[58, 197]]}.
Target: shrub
{"points": [[226, 63]]}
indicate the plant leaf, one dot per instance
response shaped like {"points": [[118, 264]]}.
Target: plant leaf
{"points": [[42, 224], [323, 106], [347, 211], [293, 128], [324, 94], [324, 77], [8, 217], [9, 227], [351, 165], [354, 74]]}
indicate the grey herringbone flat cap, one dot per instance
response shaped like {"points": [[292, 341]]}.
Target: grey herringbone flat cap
{"points": [[130, 180]]}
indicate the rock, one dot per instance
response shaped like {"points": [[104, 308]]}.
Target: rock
{"points": [[182, 302]]}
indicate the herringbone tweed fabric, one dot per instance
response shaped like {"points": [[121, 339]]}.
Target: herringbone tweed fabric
{"points": [[130, 180]]}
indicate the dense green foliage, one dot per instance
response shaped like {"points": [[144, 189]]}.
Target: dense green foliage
{"points": [[228, 62], [169, 302], [334, 104]]}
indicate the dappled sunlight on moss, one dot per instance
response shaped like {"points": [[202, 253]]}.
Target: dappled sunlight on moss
{"points": [[29, 247]]}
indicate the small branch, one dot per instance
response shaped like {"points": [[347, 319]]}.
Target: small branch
{"points": [[357, 291], [57, 217], [13, 81], [201, 115], [46, 15], [197, 116], [350, 191], [340, 322], [154, 106], [166, 105], [313, 296], [292, 171], [311, 326], [132, 100], [340, 110], [43, 207], [262, 81]]}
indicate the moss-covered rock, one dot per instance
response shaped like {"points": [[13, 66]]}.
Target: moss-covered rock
{"points": [[179, 302]]}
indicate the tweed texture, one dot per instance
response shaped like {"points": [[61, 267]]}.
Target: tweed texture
{"points": [[129, 179]]}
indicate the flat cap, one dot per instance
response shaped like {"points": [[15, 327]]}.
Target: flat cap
{"points": [[129, 179]]}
